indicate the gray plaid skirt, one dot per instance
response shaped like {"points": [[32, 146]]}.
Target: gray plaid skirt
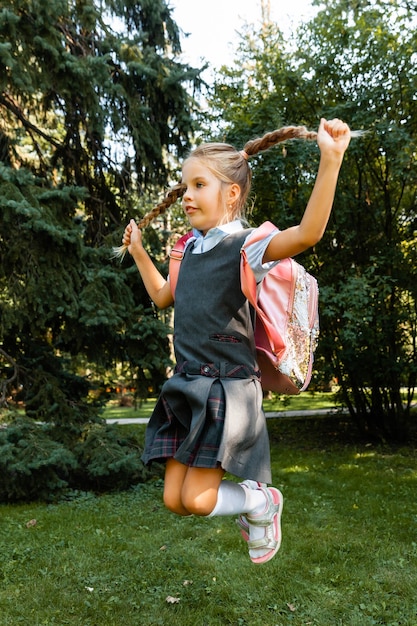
{"points": [[209, 422]]}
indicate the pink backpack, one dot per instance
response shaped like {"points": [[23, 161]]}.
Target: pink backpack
{"points": [[287, 320]]}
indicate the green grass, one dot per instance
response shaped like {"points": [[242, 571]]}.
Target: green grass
{"points": [[305, 401], [114, 411], [348, 557]]}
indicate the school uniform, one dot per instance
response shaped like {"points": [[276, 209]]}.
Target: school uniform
{"points": [[209, 413]]}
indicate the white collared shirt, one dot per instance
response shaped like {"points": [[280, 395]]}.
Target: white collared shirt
{"points": [[255, 252]]}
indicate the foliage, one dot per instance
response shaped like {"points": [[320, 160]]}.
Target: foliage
{"points": [[348, 554], [92, 99], [369, 262], [355, 61], [107, 460], [32, 464], [43, 461]]}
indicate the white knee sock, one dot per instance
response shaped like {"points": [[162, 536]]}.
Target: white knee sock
{"points": [[233, 499]]}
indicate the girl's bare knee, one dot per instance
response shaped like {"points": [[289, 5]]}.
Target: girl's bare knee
{"points": [[173, 503], [199, 491], [200, 504], [170, 502]]}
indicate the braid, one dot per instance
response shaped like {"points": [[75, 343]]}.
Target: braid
{"points": [[277, 136], [172, 196], [230, 166], [282, 134]]}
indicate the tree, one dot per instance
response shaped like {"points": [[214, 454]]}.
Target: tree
{"points": [[367, 73], [93, 99], [355, 61]]}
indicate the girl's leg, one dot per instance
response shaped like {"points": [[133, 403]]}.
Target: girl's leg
{"points": [[175, 474], [204, 492], [200, 489], [190, 490]]}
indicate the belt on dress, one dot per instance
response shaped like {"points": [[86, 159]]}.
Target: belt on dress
{"points": [[217, 370]]}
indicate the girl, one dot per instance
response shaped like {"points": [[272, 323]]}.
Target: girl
{"points": [[209, 417]]}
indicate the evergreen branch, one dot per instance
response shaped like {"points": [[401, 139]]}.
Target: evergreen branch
{"points": [[17, 111]]}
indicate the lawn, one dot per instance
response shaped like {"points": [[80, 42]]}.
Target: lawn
{"points": [[348, 557], [305, 401]]}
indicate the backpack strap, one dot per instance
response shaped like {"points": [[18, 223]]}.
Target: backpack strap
{"points": [[250, 287], [260, 232], [247, 277], [175, 257]]}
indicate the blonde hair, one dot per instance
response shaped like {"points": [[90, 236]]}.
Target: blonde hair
{"points": [[230, 166]]}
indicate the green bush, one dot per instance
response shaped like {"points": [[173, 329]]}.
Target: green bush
{"points": [[37, 464], [32, 464], [107, 459]]}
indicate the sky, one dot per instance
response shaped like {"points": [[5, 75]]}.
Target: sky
{"points": [[213, 24]]}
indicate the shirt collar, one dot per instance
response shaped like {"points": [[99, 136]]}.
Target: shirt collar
{"points": [[230, 227]]}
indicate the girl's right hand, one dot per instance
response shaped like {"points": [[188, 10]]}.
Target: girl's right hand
{"points": [[132, 237]]}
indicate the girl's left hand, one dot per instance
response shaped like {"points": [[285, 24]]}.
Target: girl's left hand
{"points": [[333, 136]]}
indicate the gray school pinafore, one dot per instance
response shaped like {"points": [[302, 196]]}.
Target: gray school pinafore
{"points": [[210, 411]]}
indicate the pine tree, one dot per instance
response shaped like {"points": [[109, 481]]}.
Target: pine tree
{"points": [[93, 98]]}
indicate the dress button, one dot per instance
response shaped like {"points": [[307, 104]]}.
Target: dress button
{"points": [[206, 369]]}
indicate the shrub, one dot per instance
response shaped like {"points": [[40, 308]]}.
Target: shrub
{"points": [[37, 463], [107, 459], [32, 465]]}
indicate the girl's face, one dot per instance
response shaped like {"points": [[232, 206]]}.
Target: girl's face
{"points": [[203, 201]]}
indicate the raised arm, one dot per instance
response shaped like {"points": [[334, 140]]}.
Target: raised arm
{"points": [[333, 139], [157, 287]]}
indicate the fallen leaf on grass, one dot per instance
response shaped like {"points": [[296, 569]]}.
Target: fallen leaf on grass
{"points": [[30, 523], [187, 582], [172, 600], [291, 607]]}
